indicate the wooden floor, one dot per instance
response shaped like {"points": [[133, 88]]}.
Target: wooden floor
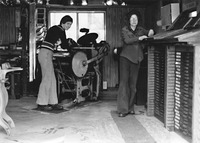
{"points": [[93, 122]]}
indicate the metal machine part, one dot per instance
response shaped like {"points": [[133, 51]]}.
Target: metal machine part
{"points": [[79, 65], [79, 73]]}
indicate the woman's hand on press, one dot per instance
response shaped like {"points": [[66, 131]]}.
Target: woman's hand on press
{"points": [[142, 37]]}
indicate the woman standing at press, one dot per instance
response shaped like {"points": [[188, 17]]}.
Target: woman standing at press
{"points": [[47, 97], [130, 58]]}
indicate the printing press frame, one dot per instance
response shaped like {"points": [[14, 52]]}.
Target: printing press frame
{"points": [[78, 72]]}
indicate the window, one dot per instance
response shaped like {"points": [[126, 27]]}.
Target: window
{"points": [[94, 21]]}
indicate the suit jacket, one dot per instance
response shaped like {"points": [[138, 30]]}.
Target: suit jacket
{"points": [[132, 48]]}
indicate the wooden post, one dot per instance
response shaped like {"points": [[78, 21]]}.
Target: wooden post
{"points": [[32, 41], [24, 28]]}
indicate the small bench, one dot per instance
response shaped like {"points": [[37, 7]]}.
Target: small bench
{"points": [[5, 120]]}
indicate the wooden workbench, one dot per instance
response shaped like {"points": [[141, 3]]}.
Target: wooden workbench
{"points": [[174, 83], [5, 120]]}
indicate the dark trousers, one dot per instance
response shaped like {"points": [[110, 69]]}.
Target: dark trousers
{"points": [[127, 86]]}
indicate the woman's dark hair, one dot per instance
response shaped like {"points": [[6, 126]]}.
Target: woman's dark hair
{"points": [[65, 19], [132, 12]]}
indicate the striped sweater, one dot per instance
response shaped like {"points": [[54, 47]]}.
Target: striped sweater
{"points": [[53, 34]]}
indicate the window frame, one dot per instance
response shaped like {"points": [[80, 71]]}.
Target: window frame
{"points": [[68, 11]]}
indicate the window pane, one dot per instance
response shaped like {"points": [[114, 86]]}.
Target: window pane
{"points": [[94, 22], [55, 18]]}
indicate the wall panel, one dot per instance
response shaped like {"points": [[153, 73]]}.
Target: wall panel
{"points": [[7, 25], [114, 23]]}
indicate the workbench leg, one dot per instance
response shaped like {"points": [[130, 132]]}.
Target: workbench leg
{"points": [[98, 83], [5, 125], [5, 121], [8, 119]]}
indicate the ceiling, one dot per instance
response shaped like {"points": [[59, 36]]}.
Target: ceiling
{"points": [[139, 1], [144, 2], [128, 2]]}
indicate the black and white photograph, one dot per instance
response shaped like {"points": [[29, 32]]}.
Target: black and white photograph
{"points": [[99, 71]]}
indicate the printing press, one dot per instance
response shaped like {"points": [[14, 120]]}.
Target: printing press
{"points": [[78, 71]]}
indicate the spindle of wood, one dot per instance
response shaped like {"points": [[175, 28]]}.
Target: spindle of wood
{"points": [[5, 120]]}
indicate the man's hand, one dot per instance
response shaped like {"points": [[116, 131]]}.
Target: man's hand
{"points": [[71, 43]]}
